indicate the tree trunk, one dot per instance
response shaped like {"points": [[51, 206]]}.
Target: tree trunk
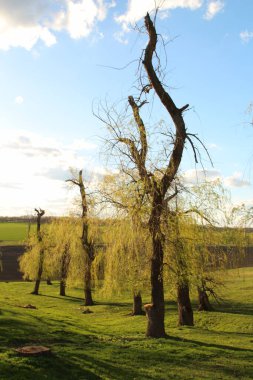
{"points": [[137, 304], [62, 288], [39, 275], [185, 313], [155, 310], [40, 213], [49, 282], [204, 304], [64, 270], [36, 287], [88, 301]]}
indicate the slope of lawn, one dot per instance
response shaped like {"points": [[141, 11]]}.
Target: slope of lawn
{"points": [[110, 344], [12, 233]]}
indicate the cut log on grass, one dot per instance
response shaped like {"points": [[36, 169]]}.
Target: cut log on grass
{"points": [[29, 306], [33, 350], [87, 311]]}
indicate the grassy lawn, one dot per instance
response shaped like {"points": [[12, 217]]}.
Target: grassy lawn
{"points": [[110, 344], [13, 233]]}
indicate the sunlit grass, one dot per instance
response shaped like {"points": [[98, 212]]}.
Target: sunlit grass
{"points": [[110, 344]]}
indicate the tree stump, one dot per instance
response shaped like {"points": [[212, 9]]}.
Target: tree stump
{"points": [[33, 350]]}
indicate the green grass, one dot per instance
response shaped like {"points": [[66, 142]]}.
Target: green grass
{"points": [[110, 344], [13, 233]]}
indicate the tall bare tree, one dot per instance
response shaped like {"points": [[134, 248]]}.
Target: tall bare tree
{"points": [[157, 182], [87, 244]]}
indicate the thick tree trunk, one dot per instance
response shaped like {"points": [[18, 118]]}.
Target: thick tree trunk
{"points": [[49, 282], [204, 304], [88, 301], [137, 304], [64, 270], [155, 310], [62, 288], [185, 313]]}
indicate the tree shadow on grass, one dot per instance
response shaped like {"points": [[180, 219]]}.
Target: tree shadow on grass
{"points": [[209, 345], [80, 356], [235, 308]]}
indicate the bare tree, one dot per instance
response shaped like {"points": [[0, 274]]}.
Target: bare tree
{"points": [[87, 244], [156, 181], [40, 213]]}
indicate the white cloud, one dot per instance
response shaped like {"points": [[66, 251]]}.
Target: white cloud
{"points": [[236, 180], [19, 99], [137, 9], [81, 144], [25, 23], [213, 146], [120, 36], [246, 36], [35, 169], [213, 8], [193, 176]]}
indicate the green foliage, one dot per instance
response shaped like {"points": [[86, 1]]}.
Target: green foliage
{"points": [[110, 345], [29, 261], [127, 257], [203, 237]]}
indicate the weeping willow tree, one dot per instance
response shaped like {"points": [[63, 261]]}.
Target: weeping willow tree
{"points": [[127, 260], [85, 236], [210, 237], [136, 147], [63, 237], [33, 262], [127, 238]]}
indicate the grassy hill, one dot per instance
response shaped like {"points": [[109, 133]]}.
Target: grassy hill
{"points": [[110, 344]]}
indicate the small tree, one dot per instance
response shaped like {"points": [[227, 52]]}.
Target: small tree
{"points": [[40, 213], [128, 245], [63, 235], [87, 242], [32, 263]]}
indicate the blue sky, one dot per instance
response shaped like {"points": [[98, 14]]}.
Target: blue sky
{"points": [[55, 66]]}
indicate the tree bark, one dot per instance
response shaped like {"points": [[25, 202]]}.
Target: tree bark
{"points": [[40, 213], [64, 270], [63, 288], [204, 303], [185, 313], [88, 247], [155, 310], [137, 304], [88, 301]]}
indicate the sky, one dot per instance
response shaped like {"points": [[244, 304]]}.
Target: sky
{"points": [[59, 59]]}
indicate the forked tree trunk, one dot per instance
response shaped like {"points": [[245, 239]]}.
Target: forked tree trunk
{"points": [[88, 301], [137, 304], [155, 310], [204, 303], [185, 313], [88, 248]]}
